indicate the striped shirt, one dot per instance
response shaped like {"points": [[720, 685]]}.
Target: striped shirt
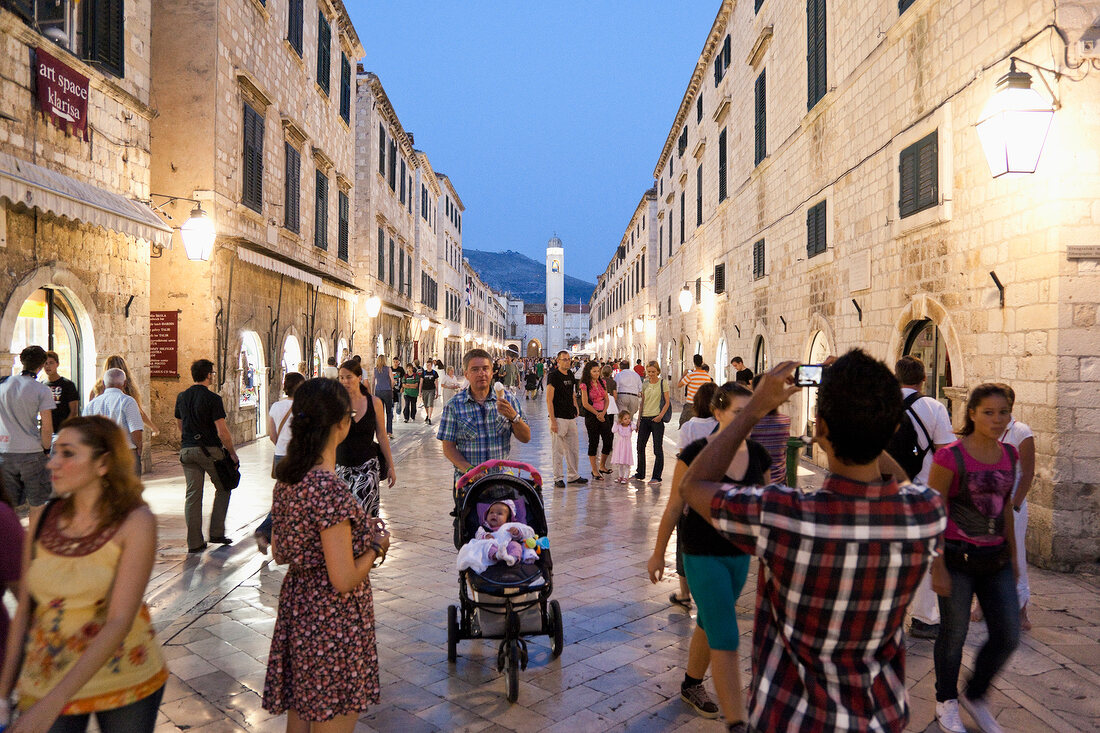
{"points": [[838, 567], [694, 379], [772, 431]]}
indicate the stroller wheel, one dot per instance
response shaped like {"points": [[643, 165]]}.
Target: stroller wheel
{"points": [[452, 634], [557, 632], [511, 669]]}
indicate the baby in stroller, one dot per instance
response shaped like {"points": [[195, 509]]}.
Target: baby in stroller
{"points": [[498, 539]]}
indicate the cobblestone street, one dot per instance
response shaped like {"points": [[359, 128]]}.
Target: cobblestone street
{"points": [[625, 644]]}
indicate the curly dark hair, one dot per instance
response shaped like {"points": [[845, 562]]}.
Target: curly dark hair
{"points": [[860, 401], [319, 405]]}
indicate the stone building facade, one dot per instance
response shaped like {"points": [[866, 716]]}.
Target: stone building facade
{"points": [[76, 229], [823, 187], [258, 126]]}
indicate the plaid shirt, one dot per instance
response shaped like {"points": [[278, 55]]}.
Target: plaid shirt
{"points": [[478, 431], [838, 567]]}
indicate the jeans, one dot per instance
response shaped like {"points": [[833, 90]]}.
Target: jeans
{"points": [[997, 598], [196, 466], [26, 477], [387, 402], [646, 427], [596, 431], [137, 717], [409, 413]]}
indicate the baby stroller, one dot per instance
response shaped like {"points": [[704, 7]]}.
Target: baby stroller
{"points": [[503, 602]]}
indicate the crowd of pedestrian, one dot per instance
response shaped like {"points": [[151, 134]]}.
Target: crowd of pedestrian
{"points": [[910, 520]]}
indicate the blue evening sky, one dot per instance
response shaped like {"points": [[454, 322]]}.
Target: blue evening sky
{"points": [[548, 117]]}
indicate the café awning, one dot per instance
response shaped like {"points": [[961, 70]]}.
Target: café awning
{"points": [[36, 187]]}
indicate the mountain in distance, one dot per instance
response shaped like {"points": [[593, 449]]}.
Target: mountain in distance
{"points": [[516, 273]]}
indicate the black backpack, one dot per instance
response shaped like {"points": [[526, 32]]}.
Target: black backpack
{"points": [[904, 446]]}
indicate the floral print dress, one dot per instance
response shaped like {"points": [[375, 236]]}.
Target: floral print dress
{"points": [[324, 659]]}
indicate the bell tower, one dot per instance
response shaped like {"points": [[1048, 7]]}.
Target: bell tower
{"points": [[555, 294]]}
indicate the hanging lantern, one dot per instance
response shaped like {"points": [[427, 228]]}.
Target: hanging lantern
{"points": [[686, 300], [1013, 126], [198, 235]]}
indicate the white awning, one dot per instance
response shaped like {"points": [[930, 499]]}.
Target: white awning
{"points": [[270, 263], [32, 185]]}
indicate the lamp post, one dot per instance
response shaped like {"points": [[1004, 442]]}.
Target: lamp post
{"points": [[1014, 124]]}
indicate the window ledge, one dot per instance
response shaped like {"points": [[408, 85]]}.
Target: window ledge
{"points": [[931, 216], [294, 52], [671, 196], [721, 109], [249, 213], [822, 258], [760, 46], [699, 147], [261, 9], [683, 178]]}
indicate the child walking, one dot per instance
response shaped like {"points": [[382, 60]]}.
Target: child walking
{"points": [[622, 450]]}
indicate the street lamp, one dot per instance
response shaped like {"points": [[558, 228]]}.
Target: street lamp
{"points": [[198, 235], [374, 305], [639, 325], [619, 331], [1014, 124], [686, 300], [445, 333]]}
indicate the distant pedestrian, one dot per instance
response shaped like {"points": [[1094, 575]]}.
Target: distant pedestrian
{"points": [[323, 662], [639, 369], [428, 379], [66, 397], [741, 373], [363, 458], [331, 371], [116, 361], [204, 439], [121, 408], [382, 379], [449, 385], [540, 369], [410, 391], [978, 476], [279, 419], [656, 405], [594, 400], [628, 393], [90, 648], [510, 374], [691, 381], [26, 431], [531, 383], [561, 405]]}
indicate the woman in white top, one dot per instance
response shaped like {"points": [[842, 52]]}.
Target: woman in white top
{"points": [[1020, 435], [278, 432], [703, 424], [449, 385]]}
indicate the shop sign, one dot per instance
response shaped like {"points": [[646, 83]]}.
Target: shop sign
{"points": [[62, 93], [164, 343]]}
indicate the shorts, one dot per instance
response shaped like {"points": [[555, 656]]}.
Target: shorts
{"points": [[26, 477], [427, 397], [716, 582]]}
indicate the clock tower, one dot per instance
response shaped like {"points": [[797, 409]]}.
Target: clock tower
{"points": [[555, 294]]}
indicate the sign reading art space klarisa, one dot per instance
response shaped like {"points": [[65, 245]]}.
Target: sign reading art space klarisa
{"points": [[62, 93]]}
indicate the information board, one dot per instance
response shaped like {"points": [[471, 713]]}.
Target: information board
{"points": [[164, 343]]}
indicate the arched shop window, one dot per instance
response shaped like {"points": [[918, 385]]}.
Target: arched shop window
{"points": [[819, 351], [721, 361], [925, 342], [292, 355], [49, 320], [319, 358], [759, 356]]}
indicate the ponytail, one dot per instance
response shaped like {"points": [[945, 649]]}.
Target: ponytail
{"points": [[319, 405]]}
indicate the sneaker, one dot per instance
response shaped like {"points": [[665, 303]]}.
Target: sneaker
{"points": [[947, 715], [979, 711], [696, 696], [223, 540], [194, 550], [559, 484], [920, 630]]}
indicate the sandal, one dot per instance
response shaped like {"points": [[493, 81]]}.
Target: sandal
{"points": [[684, 603]]}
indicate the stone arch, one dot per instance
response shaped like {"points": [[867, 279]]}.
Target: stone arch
{"points": [[924, 306], [818, 323], [760, 335]]}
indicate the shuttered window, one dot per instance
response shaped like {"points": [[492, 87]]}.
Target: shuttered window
{"points": [[722, 62], [295, 20], [252, 168], [756, 6], [816, 230], [682, 143], [391, 262], [758, 259], [641, 277], [381, 150], [722, 166], [381, 255], [401, 270], [660, 245], [392, 178], [699, 196], [761, 151], [403, 173], [292, 189], [903, 5], [324, 52], [918, 168], [699, 108], [816, 77], [105, 35], [719, 279], [682, 216], [320, 214], [345, 88], [343, 211]]}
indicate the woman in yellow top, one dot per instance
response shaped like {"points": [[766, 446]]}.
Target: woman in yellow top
{"points": [[88, 643]]}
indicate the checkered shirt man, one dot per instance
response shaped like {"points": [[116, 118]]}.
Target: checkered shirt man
{"points": [[838, 567], [478, 431]]}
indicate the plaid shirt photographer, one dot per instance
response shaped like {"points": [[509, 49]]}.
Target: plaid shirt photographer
{"points": [[477, 429]]}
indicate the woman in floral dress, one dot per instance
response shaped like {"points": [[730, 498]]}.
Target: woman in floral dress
{"points": [[323, 665]]}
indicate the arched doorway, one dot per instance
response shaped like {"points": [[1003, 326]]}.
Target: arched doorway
{"points": [[721, 360], [317, 368], [534, 349], [379, 346], [924, 341], [292, 354], [252, 388], [759, 356], [53, 319], [342, 353], [818, 352]]}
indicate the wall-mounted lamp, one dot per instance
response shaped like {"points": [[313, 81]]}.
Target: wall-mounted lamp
{"points": [[686, 299], [619, 331], [198, 232], [1014, 124], [374, 305], [639, 325]]}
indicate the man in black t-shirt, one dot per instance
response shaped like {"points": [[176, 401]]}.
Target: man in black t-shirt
{"points": [[428, 377], [561, 404], [65, 394], [204, 439], [741, 373]]}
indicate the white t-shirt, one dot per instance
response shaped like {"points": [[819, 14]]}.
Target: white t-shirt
{"points": [[278, 411], [22, 398], [629, 383], [695, 428], [936, 421], [1016, 433]]}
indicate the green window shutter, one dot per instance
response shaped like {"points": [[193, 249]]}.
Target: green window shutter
{"points": [[816, 230], [252, 170], [392, 178], [105, 34], [381, 150], [381, 255], [699, 196], [758, 259], [903, 5], [918, 176], [324, 51], [722, 166], [756, 7], [403, 174], [320, 216], [719, 279], [295, 21], [682, 207], [344, 209], [292, 188], [907, 169], [761, 148], [345, 88], [391, 262], [23, 8]]}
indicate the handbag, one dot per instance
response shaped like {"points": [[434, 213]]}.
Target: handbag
{"points": [[664, 401], [975, 560], [229, 471]]}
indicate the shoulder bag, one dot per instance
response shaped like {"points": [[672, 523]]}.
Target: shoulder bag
{"points": [[664, 401], [229, 471], [278, 432]]}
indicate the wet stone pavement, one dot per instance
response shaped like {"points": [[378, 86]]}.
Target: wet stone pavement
{"points": [[625, 644]]}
